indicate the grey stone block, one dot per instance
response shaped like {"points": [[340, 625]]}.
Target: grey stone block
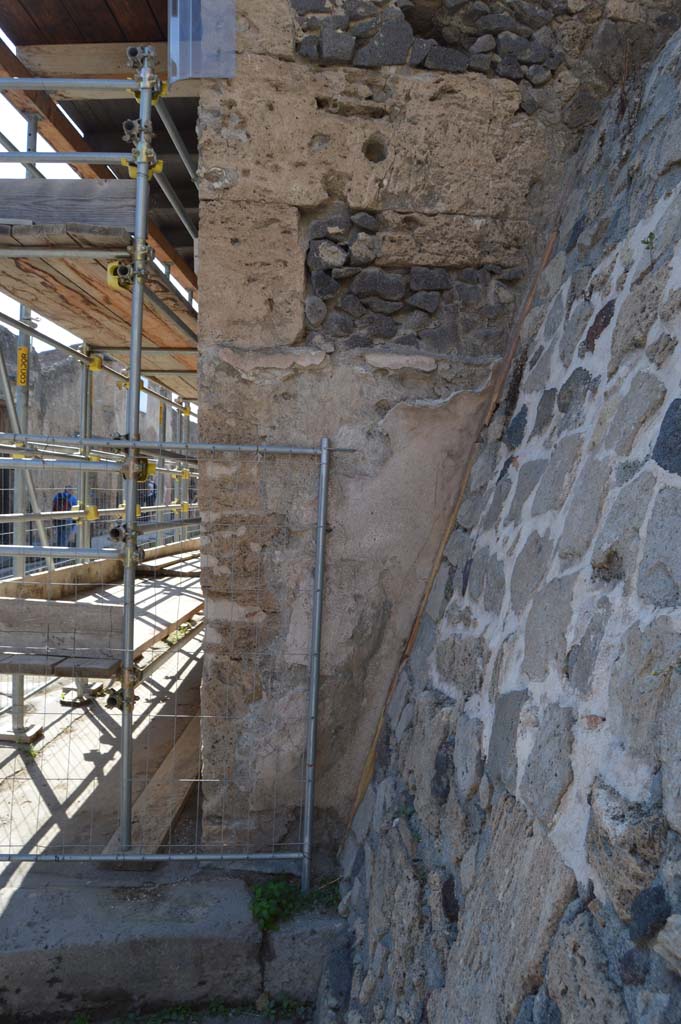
{"points": [[667, 450], [573, 395], [584, 509], [557, 478], [468, 763], [548, 771], [365, 222], [529, 475], [324, 254], [644, 397], [615, 551], [581, 658], [547, 625], [530, 569], [428, 301], [379, 283], [429, 279], [389, 46], [624, 842], [659, 580], [502, 762], [515, 431], [444, 58], [461, 662], [578, 979], [315, 310]]}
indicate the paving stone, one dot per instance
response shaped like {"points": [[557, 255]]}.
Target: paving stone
{"points": [[502, 762], [515, 431], [461, 661], [644, 397], [548, 771], [468, 762], [557, 479], [428, 301], [530, 569], [667, 450], [584, 509], [578, 978], [625, 843], [529, 475], [615, 552], [389, 46], [429, 279], [659, 581], [315, 310], [379, 283], [581, 658], [296, 952], [547, 626]]}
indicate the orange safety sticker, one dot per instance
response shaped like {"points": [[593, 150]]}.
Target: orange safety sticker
{"points": [[22, 367]]}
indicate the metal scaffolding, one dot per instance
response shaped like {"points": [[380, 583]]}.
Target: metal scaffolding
{"points": [[129, 456]]}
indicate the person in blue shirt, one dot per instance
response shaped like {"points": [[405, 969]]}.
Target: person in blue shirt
{"points": [[64, 501]]}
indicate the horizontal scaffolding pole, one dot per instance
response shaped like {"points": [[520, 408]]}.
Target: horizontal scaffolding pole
{"points": [[116, 858], [177, 447], [165, 524], [17, 157], [75, 353], [33, 172], [68, 84], [53, 252], [78, 513], [39, 463], [12, 550]]}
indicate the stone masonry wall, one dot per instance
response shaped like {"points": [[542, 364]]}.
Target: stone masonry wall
{"points": [[517, 855], [366, 232]]}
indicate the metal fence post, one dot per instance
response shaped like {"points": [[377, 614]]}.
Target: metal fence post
{"points": [[144, 160], [315, 653], [85, 431]]}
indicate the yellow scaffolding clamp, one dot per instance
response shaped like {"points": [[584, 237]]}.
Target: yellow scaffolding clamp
{"points": [[155, 168], [119, 276], [91, 513], [96, 362]]}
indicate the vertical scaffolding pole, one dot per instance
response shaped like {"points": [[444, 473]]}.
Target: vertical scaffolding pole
{"points": [[185, 428], [315, 654], [144, 160], [85, 431], [21, 392]]}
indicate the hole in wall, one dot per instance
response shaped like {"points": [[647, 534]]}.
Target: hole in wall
{"points": [[375, 149]]}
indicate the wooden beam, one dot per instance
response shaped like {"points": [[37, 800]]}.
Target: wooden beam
{"points": [[56, 201], [60, 133]]}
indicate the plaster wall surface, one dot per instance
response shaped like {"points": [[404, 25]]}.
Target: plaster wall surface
{"points": [[517, 855]]}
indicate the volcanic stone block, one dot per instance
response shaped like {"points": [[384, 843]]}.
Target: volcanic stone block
{"points": [[578, 978], [615, 552], [667, 450], [530, 569], [502, 762], [644, 397], [547, 626], [548, 772], [584, 510], [659, 581], [557, 478], [468, 762], [389, 46], [380, 283]]}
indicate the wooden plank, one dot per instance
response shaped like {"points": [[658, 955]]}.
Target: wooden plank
{"points": [[96, 21], [61, 134], [18, 24], [136, 19], [60, 625], [88, 668], [55, 21], [157, 808], [47, 201]]}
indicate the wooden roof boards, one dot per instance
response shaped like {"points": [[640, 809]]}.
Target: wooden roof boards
{"points": [[75, 294], [28, 22]]}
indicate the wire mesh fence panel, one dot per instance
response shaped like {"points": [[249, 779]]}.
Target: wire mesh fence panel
{"points": [[222, 650]]}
